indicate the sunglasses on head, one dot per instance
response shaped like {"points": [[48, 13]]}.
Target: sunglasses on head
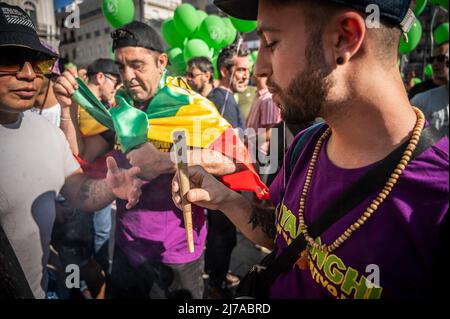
{"points": [[191, 75], [13, 59], [241, 51], [440, 58], [114, 79]]}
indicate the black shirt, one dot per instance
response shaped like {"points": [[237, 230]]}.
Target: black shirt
{"points": [[422, 87], [232, 112]]}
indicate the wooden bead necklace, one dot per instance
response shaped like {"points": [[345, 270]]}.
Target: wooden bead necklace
{"points": [[303, 262]]}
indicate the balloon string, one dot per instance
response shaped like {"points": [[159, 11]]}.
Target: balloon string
{"points": [[433, 22]]}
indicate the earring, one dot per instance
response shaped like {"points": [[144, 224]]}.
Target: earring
{"points": [[340, 60]]}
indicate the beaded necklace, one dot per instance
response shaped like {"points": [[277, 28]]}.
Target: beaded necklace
{"points": [[303, 261]]}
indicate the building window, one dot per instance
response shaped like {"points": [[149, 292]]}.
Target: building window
{"points": [[97, 33], [88, 35], [30, 9], [74, 54], [107, 30], [80, 37]]}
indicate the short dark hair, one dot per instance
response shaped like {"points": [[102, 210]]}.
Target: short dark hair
{"points": [[227, 54], [204, 65]]}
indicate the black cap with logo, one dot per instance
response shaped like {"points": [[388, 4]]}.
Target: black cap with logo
{"points": [[17, 29], [395, 11], [137, 34]]}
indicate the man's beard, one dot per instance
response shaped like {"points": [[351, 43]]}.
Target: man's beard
{"points": [[304, 99], [199, 89]]}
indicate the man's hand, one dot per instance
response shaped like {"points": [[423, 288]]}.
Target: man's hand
{"points": [[65, 86], [151, 161], [206, 191], [124, 183]]}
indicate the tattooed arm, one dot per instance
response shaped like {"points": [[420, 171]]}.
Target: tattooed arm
{"points": [[91, 194], [256, 224], [85, 193], [264, 217]]}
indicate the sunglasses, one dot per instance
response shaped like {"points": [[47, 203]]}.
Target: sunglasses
{"points": [[13, 59], [115, 80], [191, 75], [241, 51], [440, 58]]}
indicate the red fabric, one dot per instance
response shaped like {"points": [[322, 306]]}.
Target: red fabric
{"points": [[96, 169], [230, 145]]}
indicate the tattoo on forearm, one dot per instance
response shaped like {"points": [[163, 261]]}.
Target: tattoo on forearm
{"points": [[93, 193], [85, 190], [265, 218]]}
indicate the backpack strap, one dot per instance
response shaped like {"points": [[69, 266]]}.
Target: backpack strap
{"points": [[300, 145], [13, 283]]}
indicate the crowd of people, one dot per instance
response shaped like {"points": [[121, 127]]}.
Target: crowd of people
{"points": [[358, 155]]}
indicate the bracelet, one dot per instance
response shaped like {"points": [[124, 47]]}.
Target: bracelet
{"points": [[65, 119]]}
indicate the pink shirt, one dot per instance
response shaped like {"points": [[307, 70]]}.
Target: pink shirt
{"points": [[263, 113]]}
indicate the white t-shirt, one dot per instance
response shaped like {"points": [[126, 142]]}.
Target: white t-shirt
{"points": [[35, 159], [53, 113]]}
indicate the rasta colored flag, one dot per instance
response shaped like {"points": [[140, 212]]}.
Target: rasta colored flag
{"points": [[90, 127], [174, 107]]}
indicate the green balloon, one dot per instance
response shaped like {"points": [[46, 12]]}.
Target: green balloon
{"points": [[201, 15], [212, 31], [414, 36], [170, 34], [428, 70], [434, 2], [444, 4], [214, 63], [230, 32], [243, 25], [118, 12], [195, 48], [441, 34], [420, 6], [70, 65], [186, 19], [177, 64], [254, 56], [416, 81]]}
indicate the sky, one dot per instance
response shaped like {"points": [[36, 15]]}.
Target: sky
{"points": [[61, 3]]}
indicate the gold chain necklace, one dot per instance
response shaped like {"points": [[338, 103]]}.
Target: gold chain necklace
{"points": [[303, 261]]}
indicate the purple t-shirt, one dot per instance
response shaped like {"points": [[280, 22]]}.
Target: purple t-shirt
{"points": [[154, 228], [395, 249]]}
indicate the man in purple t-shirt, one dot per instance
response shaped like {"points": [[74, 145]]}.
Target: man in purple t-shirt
{"points": [[323, 59], [151, 258]]}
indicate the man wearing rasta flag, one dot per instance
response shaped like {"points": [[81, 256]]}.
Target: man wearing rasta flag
{"points": [[322, 59], [151, 257]]}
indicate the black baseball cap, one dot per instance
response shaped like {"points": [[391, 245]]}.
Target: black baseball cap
{"points": [[106, 66], [17, 29], [395, 11], [137, 34]]}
